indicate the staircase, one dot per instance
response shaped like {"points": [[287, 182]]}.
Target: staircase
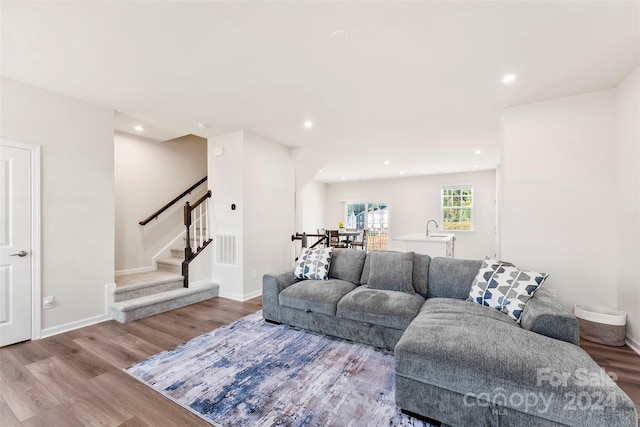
{"points": [[140, 295]]}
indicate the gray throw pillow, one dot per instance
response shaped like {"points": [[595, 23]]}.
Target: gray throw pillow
{"points": [[421, 273], [391, 271], [347, 264]]}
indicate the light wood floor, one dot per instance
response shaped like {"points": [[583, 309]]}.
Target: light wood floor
{"points": [[76, 378]]}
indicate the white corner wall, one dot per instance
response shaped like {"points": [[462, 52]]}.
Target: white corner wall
{"points": [[226, 185], [311, 202], [558, 209], [257, 176], [269, 180], [415, 200], [77, 197], [148, 174], [627, 166]]}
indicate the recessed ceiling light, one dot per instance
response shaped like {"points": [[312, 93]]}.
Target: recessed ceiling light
{"points": [[202, 125], [319, 170], [477, 152], [139, 128], [401, 172], [476, 166], [308, 124], [386, 162], [340, 36], [508, 78], [343, 178]]}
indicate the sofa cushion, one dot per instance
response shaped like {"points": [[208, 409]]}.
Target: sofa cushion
{"points": [[319, 296], [384, 308], [421, 273], [313, 264], [391, 271], [347, 264], [545, 315], [451, 278], [497, 361], [509, 289], [366, 269]]}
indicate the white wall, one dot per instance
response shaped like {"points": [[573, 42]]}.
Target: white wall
{"points": [[415, 200], [627, 166], [148, 174], [77, 197], [311, 202], [269, 181], [257, 176], [558, 194], [226, 184]]}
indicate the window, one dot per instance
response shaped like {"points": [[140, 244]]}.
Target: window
{"points": [[457, 207], [374, 217]]}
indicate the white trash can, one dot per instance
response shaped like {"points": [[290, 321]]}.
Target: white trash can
{"points": [[600, 324]]}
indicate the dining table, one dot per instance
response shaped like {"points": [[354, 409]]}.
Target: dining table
{"points": [[349, 234]]}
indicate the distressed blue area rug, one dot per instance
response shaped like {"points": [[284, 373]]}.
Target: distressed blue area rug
{"points": [[253, 373]]}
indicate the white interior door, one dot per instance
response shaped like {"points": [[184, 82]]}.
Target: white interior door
{"points": [[15, 245]]}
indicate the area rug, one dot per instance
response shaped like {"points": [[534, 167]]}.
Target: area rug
{"points": [[252, 373]]}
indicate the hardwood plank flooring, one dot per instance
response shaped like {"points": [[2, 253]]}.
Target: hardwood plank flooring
{"points": [[76, 378], [621, 363]]}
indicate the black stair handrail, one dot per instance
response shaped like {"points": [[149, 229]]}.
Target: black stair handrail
{"points": [[157, 213], [303, 237], [189, 254]]}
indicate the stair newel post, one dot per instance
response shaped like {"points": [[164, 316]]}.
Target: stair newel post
{"points": [[187, 248], [201, 231], [206, 217]]}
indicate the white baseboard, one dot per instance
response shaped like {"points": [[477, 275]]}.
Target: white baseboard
{"points": [[239, 297], [166, 250], [633, 344], [134, 270], [74, 325], [251, 295], [66, 327]]}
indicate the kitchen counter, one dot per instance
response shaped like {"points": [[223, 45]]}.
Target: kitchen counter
{"points": [[435, 245]]}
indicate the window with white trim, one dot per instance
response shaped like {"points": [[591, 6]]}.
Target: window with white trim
{"points": [[370, 216], [457, 207]]}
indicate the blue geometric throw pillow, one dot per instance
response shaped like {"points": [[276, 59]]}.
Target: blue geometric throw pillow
{"points": [[313, 264], [509, 289], [481, 281]]}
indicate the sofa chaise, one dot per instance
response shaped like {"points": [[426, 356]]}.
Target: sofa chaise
{"points": [[458, 362]]}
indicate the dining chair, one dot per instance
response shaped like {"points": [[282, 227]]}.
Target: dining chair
{"points": [[334, 239], [362, 244]]}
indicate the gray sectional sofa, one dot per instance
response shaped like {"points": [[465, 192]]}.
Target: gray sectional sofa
{"points": [[457, 362]]}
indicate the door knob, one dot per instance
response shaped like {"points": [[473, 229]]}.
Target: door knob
{"points": [[20, 254]]}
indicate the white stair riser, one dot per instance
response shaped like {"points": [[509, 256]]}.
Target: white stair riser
{"points": [[127, 293], [169, 267], [177, 253]]}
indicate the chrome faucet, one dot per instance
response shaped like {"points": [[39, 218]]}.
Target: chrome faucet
{"points": [[429, 222]]}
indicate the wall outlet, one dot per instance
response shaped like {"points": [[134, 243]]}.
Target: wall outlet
{"points": [[48, 302]]}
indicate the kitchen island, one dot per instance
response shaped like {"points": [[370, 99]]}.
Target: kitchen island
{"points": [[434, 245]]}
